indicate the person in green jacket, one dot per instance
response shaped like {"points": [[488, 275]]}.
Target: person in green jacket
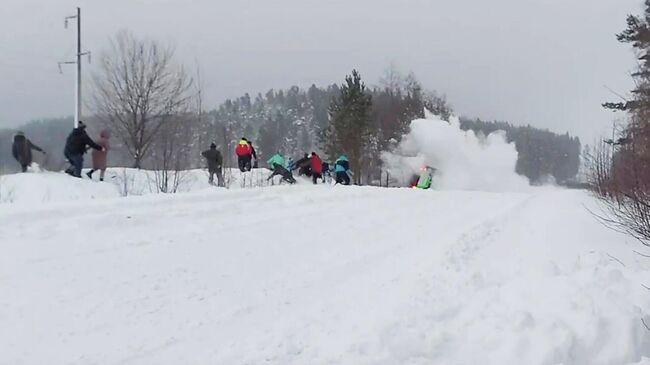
{"points": [[276, 159], [276, 164]]}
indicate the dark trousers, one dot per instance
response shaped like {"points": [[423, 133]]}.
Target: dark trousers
{"points": [[342, 178], [286, 174], [24, 167], [315, 176], [219, 174], [76, 163], [244, 163]]}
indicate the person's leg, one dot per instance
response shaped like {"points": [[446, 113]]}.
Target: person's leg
{"points": [[90, 173], [78, 162], [211, 178], [314, 178], [23, 167], [248, 163], [241, 164], [102, 172], [220, 178], [70, 169], [346, 178]]}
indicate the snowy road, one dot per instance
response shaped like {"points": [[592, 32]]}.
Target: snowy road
{"points": [[320, 275]]}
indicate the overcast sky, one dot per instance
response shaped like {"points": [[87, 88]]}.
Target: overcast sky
{"points": [[539, 62]]}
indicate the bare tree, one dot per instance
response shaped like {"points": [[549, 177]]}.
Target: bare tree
{"points": [[138, 89], [171, 154], [621, 181]]}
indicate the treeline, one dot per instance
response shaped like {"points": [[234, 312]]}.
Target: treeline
{"points": [[542, 153]]}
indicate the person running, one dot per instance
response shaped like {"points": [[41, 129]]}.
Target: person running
{"points": [[75, 148], [100, 158], [276, 164], [244, 152], [215, 163], [342, 170], [22, 148], [316, 168]]}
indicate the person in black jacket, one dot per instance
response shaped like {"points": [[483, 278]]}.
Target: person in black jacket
{"points": [[304, 166], [22, 148], [75, 148], [215, 162]]}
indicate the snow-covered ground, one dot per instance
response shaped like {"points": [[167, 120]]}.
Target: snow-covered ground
{"points": [[315, 275]]}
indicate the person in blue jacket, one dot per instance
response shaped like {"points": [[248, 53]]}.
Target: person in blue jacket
{"points": [[342, 170]]}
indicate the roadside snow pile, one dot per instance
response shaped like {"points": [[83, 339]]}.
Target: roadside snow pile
{"points": [[321, 275], [463, 160], [42, 187]]}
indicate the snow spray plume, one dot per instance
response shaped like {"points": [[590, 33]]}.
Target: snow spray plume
{"points": [[463, 159]]}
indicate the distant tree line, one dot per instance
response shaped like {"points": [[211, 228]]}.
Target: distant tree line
{"points": [[154, 109], [542, 153]]}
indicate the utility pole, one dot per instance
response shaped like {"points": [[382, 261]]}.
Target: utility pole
{"points": [[77, 61]]}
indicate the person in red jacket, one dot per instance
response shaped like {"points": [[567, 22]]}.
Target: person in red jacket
{"points": [[316, 167], [244, 152]]}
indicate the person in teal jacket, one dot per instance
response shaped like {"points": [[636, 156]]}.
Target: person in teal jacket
{"points": [[276, 159], [342, 170], [276, 164]]}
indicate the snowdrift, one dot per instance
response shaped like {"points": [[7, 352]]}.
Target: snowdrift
{"points": [[463, 160], [43, 187]]}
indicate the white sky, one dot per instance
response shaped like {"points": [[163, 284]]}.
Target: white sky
{"points": [[542, 62]]}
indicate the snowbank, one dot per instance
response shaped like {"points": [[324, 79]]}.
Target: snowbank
{"points": [[42, 187], [463, 160], [45, 187]]}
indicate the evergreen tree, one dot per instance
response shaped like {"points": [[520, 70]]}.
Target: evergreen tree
{"points": [[349, 131]]}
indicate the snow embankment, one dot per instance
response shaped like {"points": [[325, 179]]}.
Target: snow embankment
{"points": [[321, 275], [43, 187]]}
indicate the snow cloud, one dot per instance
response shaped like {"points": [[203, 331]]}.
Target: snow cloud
{"points": [[463, 159]]}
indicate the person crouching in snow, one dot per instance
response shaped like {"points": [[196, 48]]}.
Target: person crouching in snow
{"points": [[276, 164], [342, 170], [215, 163], [316, 167], [100, 157], [22, 148], [304, 166], [244, 152]]}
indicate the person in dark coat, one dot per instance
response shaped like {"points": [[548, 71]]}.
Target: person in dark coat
{"points": [[316, 167], [22, 148], [304, 166], [253, 153], [327, 173], [100, 158], [215, 163], [75, 148]]}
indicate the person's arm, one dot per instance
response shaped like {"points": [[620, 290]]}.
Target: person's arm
{"points": [[92, 143], [253, 151], [204, 154], [14, 150], [35, 147]]}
